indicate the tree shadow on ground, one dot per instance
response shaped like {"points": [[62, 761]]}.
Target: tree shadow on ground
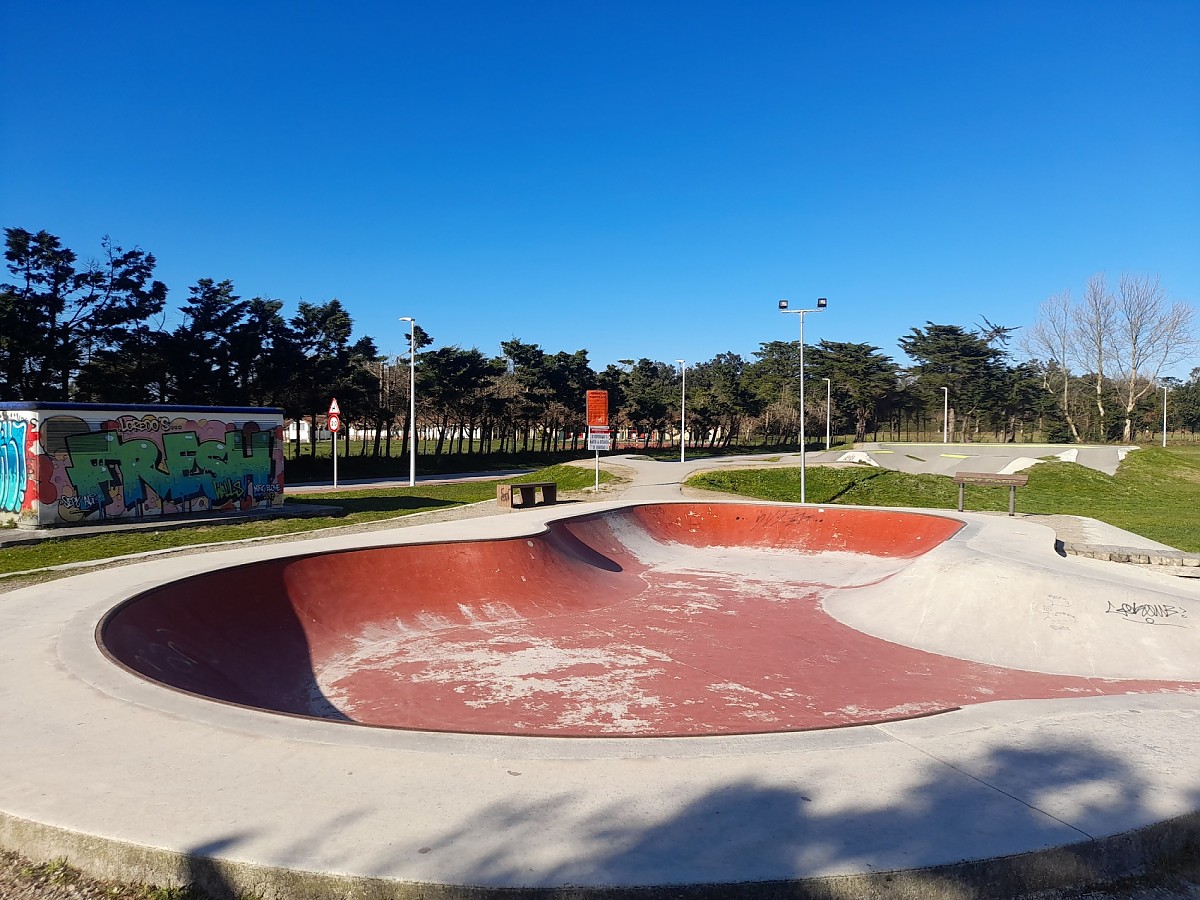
{"points": [[961, 830], [1072, 797]]}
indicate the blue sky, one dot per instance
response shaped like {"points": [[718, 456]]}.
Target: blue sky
{"points": [[637, 179]]}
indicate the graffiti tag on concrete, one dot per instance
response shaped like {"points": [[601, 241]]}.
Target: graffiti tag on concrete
{"points": [[1055, 610], [1149, 613]]}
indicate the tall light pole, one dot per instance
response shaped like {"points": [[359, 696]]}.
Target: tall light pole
{"points": [[1164, 417], [783, 307], [682, 410], [828, 410], [412, 399], [945, 414]]}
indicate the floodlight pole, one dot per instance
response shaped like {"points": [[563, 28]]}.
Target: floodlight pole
{"points": [[783, 307], [945, 413], [1164, 417], [682, 410], [828, 411], [412, 399]]}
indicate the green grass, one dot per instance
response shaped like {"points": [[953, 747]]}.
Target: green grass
{"points": [[569, 478], [1155, 493], [58, 878], [361, 506]]}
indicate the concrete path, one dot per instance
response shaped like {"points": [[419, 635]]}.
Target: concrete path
{"points": [[946, 459], [132, 780]]}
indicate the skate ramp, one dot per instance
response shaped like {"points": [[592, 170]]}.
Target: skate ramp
{"points": [[657, 620], [1006, 601]]}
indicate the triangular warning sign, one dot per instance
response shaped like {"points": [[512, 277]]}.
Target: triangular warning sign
{"points": [[334, 410]]}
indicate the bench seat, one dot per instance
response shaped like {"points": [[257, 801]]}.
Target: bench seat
{"points": [[994, 479]]}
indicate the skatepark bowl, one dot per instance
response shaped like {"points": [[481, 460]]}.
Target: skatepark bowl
{"points": [[657, 620], [670, 698]]}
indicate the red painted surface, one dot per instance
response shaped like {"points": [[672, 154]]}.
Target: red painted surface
{"points": [[676, 619]]}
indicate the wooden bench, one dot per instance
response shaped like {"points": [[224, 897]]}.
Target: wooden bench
{"points": [[528, 491], [1012, 482]]}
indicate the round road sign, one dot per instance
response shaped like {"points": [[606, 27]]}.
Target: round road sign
{"points": [[335, 423]]}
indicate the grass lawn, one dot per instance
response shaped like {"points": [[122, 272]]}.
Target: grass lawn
{"points": [[361, 506], [1155, 493]]}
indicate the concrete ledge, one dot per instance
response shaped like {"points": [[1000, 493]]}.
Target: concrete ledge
{"points": [[1086, 865], [1138, 556]]}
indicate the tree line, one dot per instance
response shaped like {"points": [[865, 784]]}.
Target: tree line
{"points": [[96, 331]]}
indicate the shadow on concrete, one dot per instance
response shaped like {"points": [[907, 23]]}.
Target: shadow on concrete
{"points": [[159, 635], [1067, 799], [769, 832], [205, 874]]}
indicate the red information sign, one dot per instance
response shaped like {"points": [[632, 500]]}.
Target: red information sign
{"points": [[597, 408]]}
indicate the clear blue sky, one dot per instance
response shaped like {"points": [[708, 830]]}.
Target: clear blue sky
{"points": [[634, 178]]}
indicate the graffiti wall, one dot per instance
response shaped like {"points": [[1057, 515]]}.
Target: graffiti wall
{"points": [[61, 466], [17, 434]]}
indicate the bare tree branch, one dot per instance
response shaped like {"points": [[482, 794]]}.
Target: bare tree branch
{"points": [[1150, 334], [1050, 340]]}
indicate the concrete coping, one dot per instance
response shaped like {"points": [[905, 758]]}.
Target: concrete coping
{"points": [[1135, 555]]}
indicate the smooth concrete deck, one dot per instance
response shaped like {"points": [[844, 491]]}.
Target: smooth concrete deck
{"points": [[129, 779]]}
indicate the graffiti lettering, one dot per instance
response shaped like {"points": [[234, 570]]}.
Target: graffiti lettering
{"points": [[146, 424], [86, 503], [14, 474], [265, 491], [181, 470], [1150, 613]]}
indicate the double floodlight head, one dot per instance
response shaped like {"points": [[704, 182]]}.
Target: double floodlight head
{"points": [[821, 303]]}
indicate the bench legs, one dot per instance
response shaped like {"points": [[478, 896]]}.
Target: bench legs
{"points": [[527, 493], [1012, 498]]}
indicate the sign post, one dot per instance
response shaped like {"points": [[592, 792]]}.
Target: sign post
{"points": [[599, 437], [335, 423]]}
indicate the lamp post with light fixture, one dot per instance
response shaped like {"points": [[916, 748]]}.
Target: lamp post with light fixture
{"points": [[828, 411], [783, 307], [945, 413], [682, 410], [1164, 387], [412, 399]]}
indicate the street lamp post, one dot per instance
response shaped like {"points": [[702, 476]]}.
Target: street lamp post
{"points": [[828, 411], [412, 399], [1164, 417], [945, 413], [682, 410], [783, 307]]}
